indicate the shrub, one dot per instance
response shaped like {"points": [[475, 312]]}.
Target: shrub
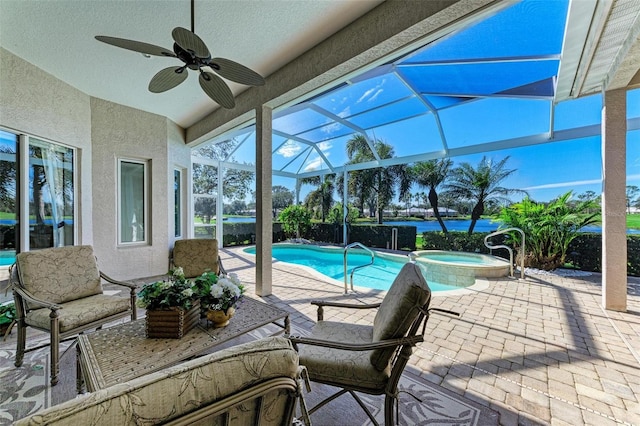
{"points": [[296, 220], [548, 228]]}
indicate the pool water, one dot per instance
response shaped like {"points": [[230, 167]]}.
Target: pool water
{"points": [[329, 262], [7, 257]]}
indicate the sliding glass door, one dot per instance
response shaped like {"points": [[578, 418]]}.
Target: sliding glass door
{"points": [[37, 195], [8, 197], [51, 195]]}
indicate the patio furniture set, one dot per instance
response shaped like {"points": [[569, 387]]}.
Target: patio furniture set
{"points": [[59, 291]]}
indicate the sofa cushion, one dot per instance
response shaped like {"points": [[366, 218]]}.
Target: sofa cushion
{"points": [[196, 256], [77, 313], [398, 310], [60, 274], [176, 391], [329, 365]]}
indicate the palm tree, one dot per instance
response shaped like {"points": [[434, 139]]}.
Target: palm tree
{"points": [[321, 197], [430, 174], [480, 185], [379, 184]]}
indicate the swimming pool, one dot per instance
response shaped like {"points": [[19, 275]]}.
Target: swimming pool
{"points": [[329, 262]]}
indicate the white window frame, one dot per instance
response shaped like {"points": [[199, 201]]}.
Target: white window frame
{"points": [[145, 199], [178, 199]]}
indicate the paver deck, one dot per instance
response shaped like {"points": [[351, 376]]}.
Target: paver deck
{"points": [[540, 350]]}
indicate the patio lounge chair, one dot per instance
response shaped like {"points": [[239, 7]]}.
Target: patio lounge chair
{"points": [[196, 256], [59, 290], [364, 358]]}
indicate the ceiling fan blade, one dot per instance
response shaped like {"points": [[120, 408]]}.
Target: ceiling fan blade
{"points": [[217, 89], [236, 72], [190, 41], [136, 46], [167, 78]]}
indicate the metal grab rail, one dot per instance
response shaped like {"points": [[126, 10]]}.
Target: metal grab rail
{"points": [[352, 245], [491, 247]]}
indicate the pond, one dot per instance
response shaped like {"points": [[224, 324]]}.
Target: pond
{"points": [[482, 225]]}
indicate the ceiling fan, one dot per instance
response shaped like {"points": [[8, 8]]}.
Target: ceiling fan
{"points": [[191, 50]]}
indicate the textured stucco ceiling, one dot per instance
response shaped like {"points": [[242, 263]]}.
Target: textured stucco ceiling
{"points": [[58, 37]]}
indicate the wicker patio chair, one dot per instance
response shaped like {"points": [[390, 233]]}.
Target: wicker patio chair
{"points": [[364, 358], [59, 290]]}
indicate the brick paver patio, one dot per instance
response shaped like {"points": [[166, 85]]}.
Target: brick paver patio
{"points": [[540, 350]]}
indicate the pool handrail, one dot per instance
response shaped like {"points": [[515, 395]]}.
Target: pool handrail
{"points": [[492, 247], [353, 245]]}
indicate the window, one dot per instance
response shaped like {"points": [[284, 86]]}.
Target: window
{"points": [[132, 201], [8, 197], [177, 199], [37, 195], [51, 195]]}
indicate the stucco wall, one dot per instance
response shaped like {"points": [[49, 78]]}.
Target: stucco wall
{"points": [[122, 132], [36, 103]]}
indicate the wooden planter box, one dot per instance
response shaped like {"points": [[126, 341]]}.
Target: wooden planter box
{"points": [[171, 323]]}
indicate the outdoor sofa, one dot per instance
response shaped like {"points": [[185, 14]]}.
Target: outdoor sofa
{"points": [[253, 383]]}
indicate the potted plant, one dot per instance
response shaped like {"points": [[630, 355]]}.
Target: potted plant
{"points": [[218, 296], [172, 306], [7, 317]]}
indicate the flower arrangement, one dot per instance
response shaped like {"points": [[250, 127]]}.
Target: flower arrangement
{"points": [[218, 292], [174, 292]]}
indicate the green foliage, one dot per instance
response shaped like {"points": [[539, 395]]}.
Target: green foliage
{"points": [[460, 241], [481, 185], [379, 236], [296, 220], [548, 228], [174, 292], [218, 293], [336, 214], [585, 253], [7, 313]]}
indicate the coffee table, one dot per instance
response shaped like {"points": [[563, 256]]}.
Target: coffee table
{"points": [[120, 353]]}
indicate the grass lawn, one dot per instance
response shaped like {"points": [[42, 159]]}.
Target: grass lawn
{"points": [[633, 221]]}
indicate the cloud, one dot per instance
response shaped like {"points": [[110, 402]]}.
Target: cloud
{"points": [[372, 94], [314, 164], [324, 147], [289, 149], [373, 98], [365, 95]]}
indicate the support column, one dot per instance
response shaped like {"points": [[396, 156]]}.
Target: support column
{"points": [[345, 207], [264, 202], [614, 214], [220, 206]]}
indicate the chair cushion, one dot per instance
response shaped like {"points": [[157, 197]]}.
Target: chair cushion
{"points": [[60, 274], [77, 313], [398, 310], [196, 256], [175, 391], [340, 367]]}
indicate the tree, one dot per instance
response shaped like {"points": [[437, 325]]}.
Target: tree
{"points": [[548, 228], [8, 179], [320, 199], [296, 220], [632, 192], [376, 186], [480, 185], [431, 174], [236, 183], [281, 197]]}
